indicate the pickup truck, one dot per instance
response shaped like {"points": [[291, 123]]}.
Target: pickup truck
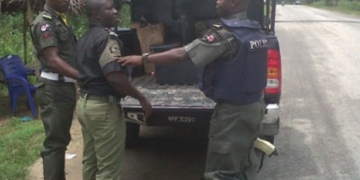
{"points": [[172, 90]]}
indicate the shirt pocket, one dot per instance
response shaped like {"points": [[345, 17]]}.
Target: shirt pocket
{"points": [[63, 33], [64, 36]]}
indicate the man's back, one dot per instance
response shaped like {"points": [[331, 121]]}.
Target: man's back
{"points": [[90, 52]]}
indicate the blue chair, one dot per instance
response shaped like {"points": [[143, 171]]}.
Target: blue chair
{"points": [[15, 76]]}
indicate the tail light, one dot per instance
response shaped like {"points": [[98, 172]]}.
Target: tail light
{"points": [[274, 72]]}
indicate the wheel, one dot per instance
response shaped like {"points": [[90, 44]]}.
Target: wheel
{"points": [[132, 134]]}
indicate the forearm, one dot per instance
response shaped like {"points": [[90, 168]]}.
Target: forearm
{"points": [[169, 57], [121, 84], [129, 90], [63, 68]]}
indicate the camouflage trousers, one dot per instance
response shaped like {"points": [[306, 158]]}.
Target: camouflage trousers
{"points": [[233, 130], [57, 103], [103, 129]]}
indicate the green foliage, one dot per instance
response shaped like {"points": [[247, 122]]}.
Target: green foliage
{"points": [[20, 144], [125, 19], [79, 23], [343, 6], [11, 41]]}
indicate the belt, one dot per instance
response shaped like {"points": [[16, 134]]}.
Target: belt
{"points": [[56, 77], [110, 99]]}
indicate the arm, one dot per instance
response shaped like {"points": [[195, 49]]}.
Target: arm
{"points": [[120, 83], [168, 57], [58, 64], [46, 41], [200, 51], [115, 75]]}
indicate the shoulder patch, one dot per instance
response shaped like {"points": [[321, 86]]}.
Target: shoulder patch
{"points": [[209, 38], [47, 16]]}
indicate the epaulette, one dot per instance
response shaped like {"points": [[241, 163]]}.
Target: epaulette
{"points": [[47, 16], [217, 26], [111, 33]]}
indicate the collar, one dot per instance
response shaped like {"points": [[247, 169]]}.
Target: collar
{"points": [[239, 15], [60, 14], [50, 10], [96, 24]]}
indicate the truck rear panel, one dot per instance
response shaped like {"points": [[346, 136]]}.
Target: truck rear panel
{"points": [[172, 104]]}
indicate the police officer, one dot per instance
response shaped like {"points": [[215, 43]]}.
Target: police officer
{"points": [[54, 47], [234, 56], [102, 83]]}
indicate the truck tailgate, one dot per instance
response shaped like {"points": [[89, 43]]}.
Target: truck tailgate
{"points": [[168, 96], [173, 105]]}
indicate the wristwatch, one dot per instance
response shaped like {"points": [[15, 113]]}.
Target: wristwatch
{"points": [[144, 58]]}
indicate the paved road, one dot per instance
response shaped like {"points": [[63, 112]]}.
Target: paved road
{"points": [[320, 131], [320, 137]]}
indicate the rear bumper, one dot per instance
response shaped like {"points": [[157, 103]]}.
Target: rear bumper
{"points": [[271, 122], [197, 117]]}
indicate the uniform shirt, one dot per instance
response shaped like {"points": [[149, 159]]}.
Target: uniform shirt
{"points": [[217, 42], [49, 30], [96, 54]]}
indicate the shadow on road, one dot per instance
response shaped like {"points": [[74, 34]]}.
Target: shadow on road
{"points": [[295, 159], [167, 154]]}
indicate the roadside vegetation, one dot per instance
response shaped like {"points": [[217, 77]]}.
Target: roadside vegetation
{"points": [[20, 144], [344, 6]]}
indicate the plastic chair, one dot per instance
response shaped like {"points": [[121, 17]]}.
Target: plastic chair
{"points": [[15, 74]]}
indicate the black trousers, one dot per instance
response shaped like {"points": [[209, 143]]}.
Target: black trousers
{"points": [[57, 102]]}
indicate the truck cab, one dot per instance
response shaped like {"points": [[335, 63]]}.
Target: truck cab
{"points": [[160, 25]]}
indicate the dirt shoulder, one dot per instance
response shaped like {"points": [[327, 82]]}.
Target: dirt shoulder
{"points": [[73, 166]]}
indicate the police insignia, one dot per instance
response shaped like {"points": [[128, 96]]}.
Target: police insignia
{"points": [[44, 28], [46, 34], [209, 38], [115, 50]]}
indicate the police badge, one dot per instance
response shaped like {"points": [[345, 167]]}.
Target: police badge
{"points": [[114, 49]]}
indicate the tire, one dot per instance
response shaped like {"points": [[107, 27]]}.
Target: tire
{"points": [[132, 134]]}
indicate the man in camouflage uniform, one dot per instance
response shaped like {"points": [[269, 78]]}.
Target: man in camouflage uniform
{"points": [[234, 57], [56, 95], [102, 83]]}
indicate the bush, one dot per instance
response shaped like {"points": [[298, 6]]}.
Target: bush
{"points": [[343, 6]]}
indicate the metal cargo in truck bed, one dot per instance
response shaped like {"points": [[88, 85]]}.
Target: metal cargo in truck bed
{"points": [[172, 104]]}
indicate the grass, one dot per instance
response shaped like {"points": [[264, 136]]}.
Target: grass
{"points": [[20, 144], [343, 7]]}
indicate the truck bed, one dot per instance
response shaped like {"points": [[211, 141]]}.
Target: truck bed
{"points": [[173, 105], [168, 96]]}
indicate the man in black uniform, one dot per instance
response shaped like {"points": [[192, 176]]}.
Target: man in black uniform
{"points": [[102, 83], [54, 45], [234, 57]]}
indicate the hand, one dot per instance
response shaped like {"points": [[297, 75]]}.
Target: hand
{"points": [[130, 60], [146, 107]]}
